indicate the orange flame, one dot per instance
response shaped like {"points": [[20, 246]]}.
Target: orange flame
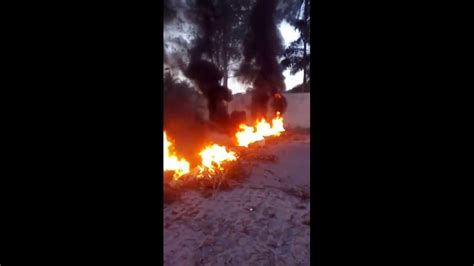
{"points": [[213, 156], [171, 161], [248, 135]]}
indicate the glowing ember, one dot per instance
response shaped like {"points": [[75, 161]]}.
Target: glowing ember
{"points": [[171, 161], [213, 156], [248, 135]]}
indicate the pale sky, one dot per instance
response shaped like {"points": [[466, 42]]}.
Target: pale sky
{"points": [[289, 34]]}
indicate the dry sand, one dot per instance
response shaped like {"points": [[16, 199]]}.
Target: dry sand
{"points": [[263, 221]]}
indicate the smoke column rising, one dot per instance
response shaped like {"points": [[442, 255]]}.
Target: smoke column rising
{"points": [[204, 73], [262, 46]]}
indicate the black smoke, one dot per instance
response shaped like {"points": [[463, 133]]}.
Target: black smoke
{"points": [[262, 46], [184, 117], [185, 109], [207, 76], [203, 72]]}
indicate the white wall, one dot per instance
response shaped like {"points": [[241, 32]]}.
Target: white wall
{"points": [[297, 114]]}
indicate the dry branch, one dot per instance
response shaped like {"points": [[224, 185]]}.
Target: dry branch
{"points": [[208, 183]]}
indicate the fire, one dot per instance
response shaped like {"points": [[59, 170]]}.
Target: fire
{"points": [[171, 161], [277, 124], [248, 135], [213, 156]]}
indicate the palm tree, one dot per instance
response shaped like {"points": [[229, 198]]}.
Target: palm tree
{"points": [[296, 56]]}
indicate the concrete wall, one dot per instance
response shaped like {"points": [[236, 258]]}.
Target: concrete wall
{"points": [[297, 114]]}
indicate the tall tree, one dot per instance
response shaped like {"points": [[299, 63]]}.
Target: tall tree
{"points": [[233, 15], [228, 29]]}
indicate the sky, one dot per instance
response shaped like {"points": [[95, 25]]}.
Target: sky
{"points": [[289, 34]]}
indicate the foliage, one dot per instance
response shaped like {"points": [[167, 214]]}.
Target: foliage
{"points": [[295, 57], [231, 27]]}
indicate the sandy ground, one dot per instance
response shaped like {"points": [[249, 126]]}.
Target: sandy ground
{"points": [[263, 221]]}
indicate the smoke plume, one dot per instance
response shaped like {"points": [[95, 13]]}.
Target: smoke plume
{"points": [[184, 117], [186, 110], [260, 66], [204, 73]]}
